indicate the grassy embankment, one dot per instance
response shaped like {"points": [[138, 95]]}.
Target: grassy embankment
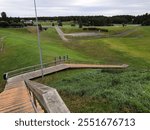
{"points": [[21, 50], [102, 92], [96, 91]]}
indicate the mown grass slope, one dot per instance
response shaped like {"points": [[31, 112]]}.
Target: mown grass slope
{"points": [[21, 50], [133, 48], [88, 91]]}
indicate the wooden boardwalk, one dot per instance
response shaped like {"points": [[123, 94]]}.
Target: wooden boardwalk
{"points": [[91, 66], [16, 98], [60, 67]]}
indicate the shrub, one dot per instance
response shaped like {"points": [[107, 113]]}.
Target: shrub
{"points": [[96, 29], [4, 24], [80, 25], [40, 27], [60, 24], [73, 24], [16, 25], [103, 30], [53, 24], [146, 23]]}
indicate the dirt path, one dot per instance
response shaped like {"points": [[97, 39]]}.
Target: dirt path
{"points": [[80, 34], [61, 34], [83, 34]]}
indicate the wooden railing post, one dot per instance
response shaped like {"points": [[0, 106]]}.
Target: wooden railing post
{"points": [[47, 97]]}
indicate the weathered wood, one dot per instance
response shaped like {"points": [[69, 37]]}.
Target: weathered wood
{"points": [[16, 98], [92, 66], [37, 73], [60, 67], [48, 97]]}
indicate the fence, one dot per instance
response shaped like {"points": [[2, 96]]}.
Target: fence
{"points": [[57, 60], [47, 97]]}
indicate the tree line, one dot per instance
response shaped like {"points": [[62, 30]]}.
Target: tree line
{"points": [[81, 20]]}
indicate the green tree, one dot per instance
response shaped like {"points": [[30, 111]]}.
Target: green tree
{"points": [[4, 16]]}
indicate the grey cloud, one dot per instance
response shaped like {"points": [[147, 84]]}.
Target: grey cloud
{"points": [[70, 7]]}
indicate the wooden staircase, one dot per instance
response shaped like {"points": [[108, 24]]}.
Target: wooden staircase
{"points": [[16, 99]]}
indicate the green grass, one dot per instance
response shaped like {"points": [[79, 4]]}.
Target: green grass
{"points": [[133, 49], [70, 29], [97, 91], [112, 30], [21, 50]]}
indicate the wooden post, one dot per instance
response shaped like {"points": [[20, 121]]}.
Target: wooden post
{"points": [[59, 59], [55, 60]]}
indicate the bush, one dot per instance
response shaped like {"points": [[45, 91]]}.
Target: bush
{"points": [[146, 23], [60, 24], [44, 28], [73, 24], [96, 29], [16, 25], [53, 24], [4, 24], [103, 30], [40, 27], [80, 25]]}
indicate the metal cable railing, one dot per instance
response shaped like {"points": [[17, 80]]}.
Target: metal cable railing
{"points": [[57, 60]]}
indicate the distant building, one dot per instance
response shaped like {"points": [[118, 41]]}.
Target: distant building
{"points": [[29, 23]]}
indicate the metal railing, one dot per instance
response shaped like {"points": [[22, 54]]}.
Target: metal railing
{"points": [[57, 60]]}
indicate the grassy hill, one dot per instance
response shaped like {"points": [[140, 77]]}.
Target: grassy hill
{"points": [[102, 91], [126, 47], [21, 50]]}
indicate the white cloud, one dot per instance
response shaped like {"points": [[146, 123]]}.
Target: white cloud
{"points": [[74, 7], [86, 2]]}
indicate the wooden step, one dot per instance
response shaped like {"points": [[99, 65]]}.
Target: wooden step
{"points": [[16, 99], [18, 105], [21, 107], [12, 102]]}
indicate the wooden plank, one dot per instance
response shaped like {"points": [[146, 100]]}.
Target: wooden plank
{"points": [[36, 74], [91, 66], [49, 70], [16, 99], [48, 97]]}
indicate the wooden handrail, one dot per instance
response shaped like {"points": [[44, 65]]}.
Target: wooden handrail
{"points": [[47, 97]]}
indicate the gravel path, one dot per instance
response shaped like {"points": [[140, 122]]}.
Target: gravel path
{"points": [[81, 34], [61, 34]]}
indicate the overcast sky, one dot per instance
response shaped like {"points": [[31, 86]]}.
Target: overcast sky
{"points": [[24, 8]]}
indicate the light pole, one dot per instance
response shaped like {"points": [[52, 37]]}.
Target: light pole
{"points": [[39, 45]]}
